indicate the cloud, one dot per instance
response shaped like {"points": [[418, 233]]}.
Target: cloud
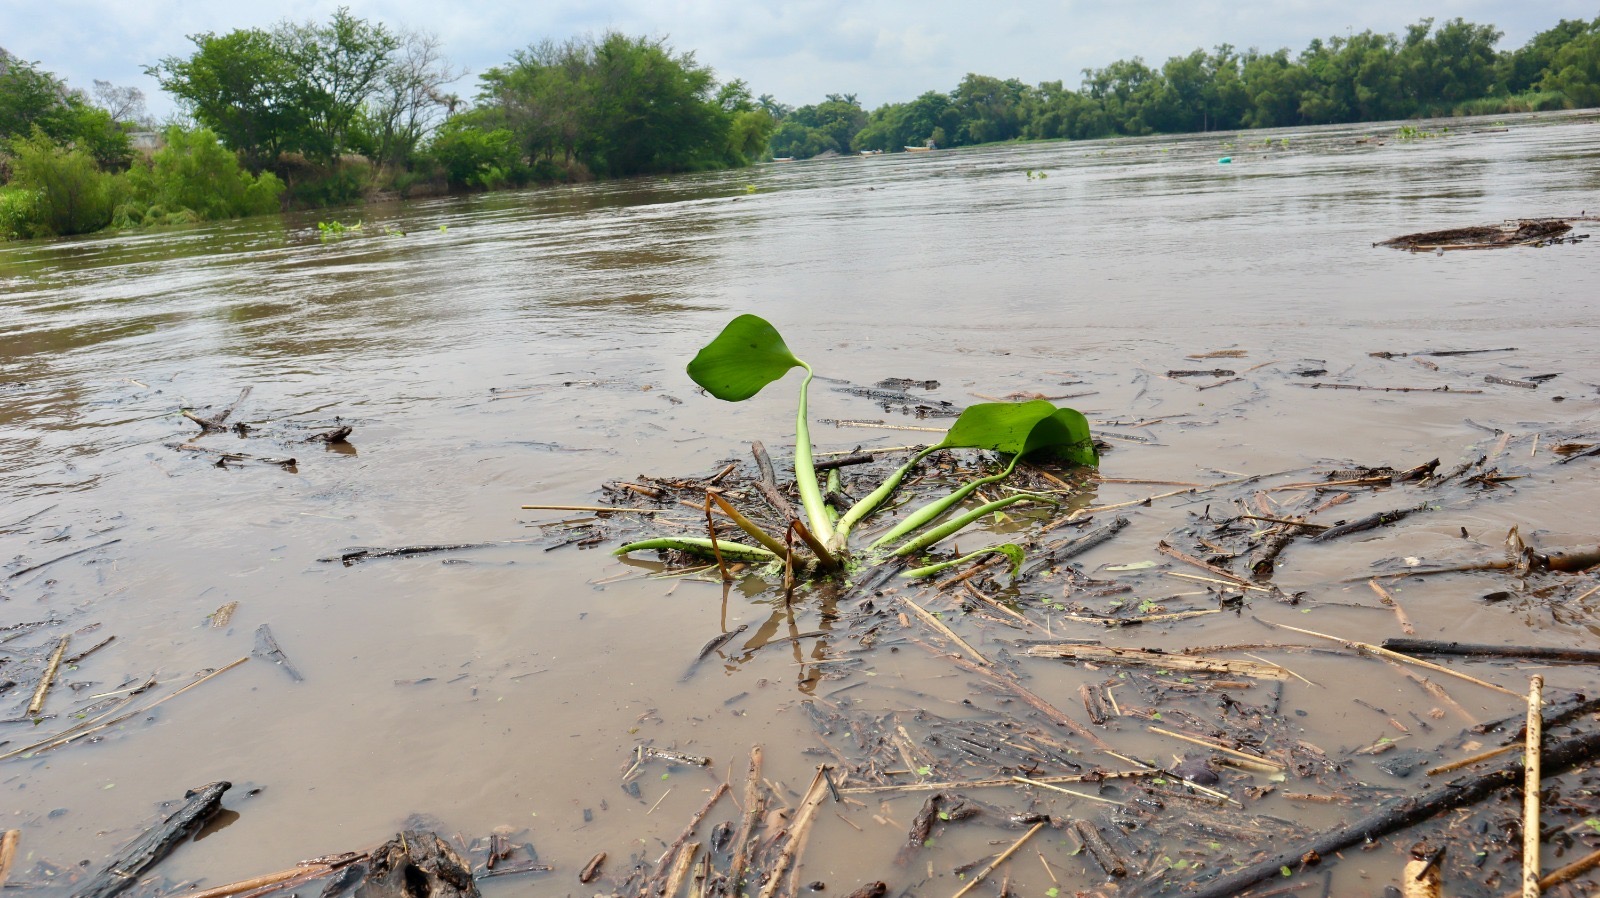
{"points": [[890, 50]]}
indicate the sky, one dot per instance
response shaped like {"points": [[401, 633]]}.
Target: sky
{"points": [[797, 50]]}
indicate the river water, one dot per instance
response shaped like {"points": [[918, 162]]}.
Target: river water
{"points": [[525, 347]]}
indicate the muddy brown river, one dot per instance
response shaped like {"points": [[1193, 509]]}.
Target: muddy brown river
{"points": [[525, 348]]}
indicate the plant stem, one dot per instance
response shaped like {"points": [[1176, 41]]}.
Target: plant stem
{"points": [[950, 527], [699, 545], [930, 570], [868, 504], [931, 512], [805, 472], [748, 526]]}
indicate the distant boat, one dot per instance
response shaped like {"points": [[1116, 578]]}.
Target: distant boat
{"points": [[910, 149], [872, 152], [783, 159]]}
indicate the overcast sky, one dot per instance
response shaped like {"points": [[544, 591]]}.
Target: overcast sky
{"points": [[797, 50]]}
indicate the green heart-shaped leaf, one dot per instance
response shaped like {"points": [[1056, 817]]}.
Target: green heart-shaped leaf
{"points": [[1064, 434], [1024, 428], [744, 358], [1001, 426]]}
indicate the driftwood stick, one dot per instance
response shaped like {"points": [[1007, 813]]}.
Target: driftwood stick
{"points": [[1402, 814], [755, 806], [1100, 849], [1004, 856], [592, 869], [680, 869], [8, 853], [233, 456], [1482, 650], [30, 569], [1071, 548], [814, 796], [1420, 878], [1166, 548], [280, 880], [688, 831], [36, 704], [768, 484], [1530, 789], [843, 461], [1370, 522], [1255, 761], [927, 618], [1571, 871], [148, 849], [219, 421], [1139, 658], [1050, 712], [1405, 659]]}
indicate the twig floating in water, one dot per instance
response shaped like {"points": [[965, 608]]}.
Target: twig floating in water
{"points": [[28, 570], [49, 675]]}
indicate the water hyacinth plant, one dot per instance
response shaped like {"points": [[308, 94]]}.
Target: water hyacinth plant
{"points": [[750, 354]]}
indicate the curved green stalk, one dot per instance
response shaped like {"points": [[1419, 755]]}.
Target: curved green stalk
{"points": [[700, 545], [869, 503], [805, 471], [834, 484], [931, 512], [1010, 550], [950, 527]]}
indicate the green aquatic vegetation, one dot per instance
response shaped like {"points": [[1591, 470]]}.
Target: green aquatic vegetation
{"points": [[1412, 132], [749, 354], [333, 230]]}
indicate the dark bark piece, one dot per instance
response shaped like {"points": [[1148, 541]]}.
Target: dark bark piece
{"points": [[921, 829], [1569, 561], [417, 864], [1100, 849], [1094, 703], [336, 435], [857, 458], [768, 484], [1405, 813], [870, 890], [592, 869], [1208, 372], [1266, 555], [224, 457], [1482, 650], [218, 422], [1072, 548], [1555, 714], [1370, 522], [148, 849], [362, 553], [267, 650]]}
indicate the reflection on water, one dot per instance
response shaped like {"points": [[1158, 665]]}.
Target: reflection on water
{"points": [[524, 347]]}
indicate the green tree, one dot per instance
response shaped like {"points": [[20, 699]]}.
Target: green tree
{"points": [[195, 172], [243, 87], [1575, 69], [71, 195], [338, 66], [1524, 68], [409, 100]]}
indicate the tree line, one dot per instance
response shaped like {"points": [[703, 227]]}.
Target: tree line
{"points": [[326, 113], [1454, 69]]}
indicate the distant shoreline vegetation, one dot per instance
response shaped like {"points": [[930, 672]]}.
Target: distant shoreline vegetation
{"points": [[309, 114]]}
